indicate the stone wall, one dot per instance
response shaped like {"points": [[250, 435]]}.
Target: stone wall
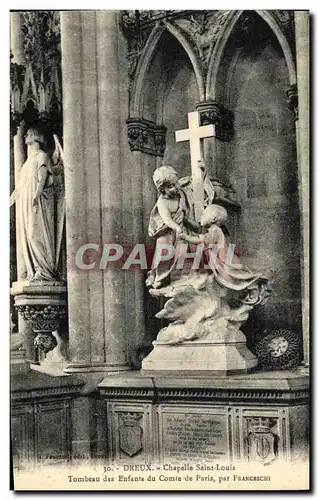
{"points": [[260, 162]]}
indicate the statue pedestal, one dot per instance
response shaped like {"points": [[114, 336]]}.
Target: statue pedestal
{"points": [[36, 288], [42, 305], [18, 363], [199, 358], [260, 418]]}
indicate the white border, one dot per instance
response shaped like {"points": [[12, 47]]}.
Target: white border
{"points": [[4, 190]]}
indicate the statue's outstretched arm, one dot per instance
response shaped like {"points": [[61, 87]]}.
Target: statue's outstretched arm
{"points": [[192, 224], [195, 240]]}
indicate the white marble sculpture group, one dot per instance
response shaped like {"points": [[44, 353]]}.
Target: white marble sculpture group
{"points": [[208, 302]]}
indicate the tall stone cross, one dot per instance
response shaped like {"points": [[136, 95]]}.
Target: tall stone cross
{"points": [[194, 134]]}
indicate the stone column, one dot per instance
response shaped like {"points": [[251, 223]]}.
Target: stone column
{"points": [[96, 305], [19, 159], [107, 33], [302, 132], [16, 47], [16, 38]]}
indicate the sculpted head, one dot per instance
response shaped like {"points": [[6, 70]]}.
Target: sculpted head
{"points": [[213, 214], [166, 180], [34, 135]]}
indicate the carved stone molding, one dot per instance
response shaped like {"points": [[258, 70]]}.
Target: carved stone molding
{"points": [[256, 396], [23, 394], [135, 46], [262, 439], [146, 136], [212, 113], [17, 72], [41, 31], [203, 28], [43, 306], [285, 19], [36, 93], [200, 27], [45, 318], [135, 20], [292, 98]]}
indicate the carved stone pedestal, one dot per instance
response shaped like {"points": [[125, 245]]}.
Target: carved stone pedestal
{"points": [[260, 418], [18, 362], [42, 304], [199, 358]]}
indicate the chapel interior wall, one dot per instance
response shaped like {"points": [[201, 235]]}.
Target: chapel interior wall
{"points": [[260, 163]]}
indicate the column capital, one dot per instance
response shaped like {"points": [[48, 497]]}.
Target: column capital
{"points": [[146, 136], [213, 113]]}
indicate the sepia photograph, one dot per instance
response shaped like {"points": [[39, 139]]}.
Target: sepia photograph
{"points": [[159, 250]]}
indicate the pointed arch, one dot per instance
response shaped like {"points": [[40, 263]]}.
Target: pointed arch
{"points": [[142, 70], [145, 60], [225, 33], [177, 33]]}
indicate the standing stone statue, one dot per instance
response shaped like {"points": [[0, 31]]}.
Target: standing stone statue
{"points": [[40, 209]]}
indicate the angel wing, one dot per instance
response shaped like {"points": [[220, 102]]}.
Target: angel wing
{"points": [[58, 171], [57, 155]]}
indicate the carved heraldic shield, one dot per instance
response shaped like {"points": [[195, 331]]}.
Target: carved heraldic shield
{"points": [[130, 433]]}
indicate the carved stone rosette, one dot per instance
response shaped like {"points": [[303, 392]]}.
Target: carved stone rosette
{"points": [[262, 441], [292, 98], [146, 136], [212, 113]]}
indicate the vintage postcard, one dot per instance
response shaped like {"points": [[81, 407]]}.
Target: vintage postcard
{"points": [[159, 230]]}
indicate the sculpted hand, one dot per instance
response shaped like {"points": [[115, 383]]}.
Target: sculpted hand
{"points": [[183, 236]]}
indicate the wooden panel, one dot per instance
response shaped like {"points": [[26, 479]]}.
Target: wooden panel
{"points": [[52, 430], [21, 433]]}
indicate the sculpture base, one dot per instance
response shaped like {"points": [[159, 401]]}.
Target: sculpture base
{"points": [[42, 308], [18, 363], [259, 419], [198, 358], [54, 369]]}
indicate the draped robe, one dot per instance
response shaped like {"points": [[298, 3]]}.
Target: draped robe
{"points": [[226, 267], [165, 236]]}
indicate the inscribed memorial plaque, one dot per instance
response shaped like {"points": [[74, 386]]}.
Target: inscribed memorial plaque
{"points": [[194, 437]]}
